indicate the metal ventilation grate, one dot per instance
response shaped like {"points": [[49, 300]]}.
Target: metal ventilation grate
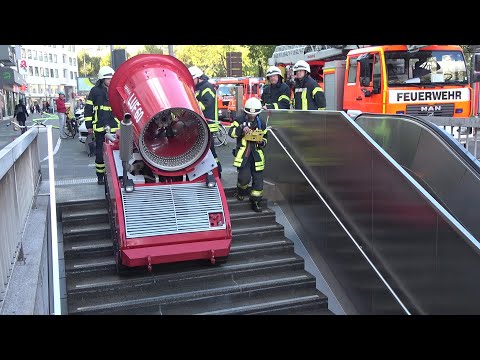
{"points": [[170, 209]]}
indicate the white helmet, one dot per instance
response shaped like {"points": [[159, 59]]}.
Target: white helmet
{"points": [[195, 71], [301, 65], [273, 70], [105, 72], [253, 106]]}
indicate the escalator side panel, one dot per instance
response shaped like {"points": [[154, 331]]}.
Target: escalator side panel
{"points": [[325, 239]]}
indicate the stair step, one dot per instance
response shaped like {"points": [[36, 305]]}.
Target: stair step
{"points": [[241, 254], [265, 299], [83, 205], [192, 291], [86, 230], [301, 309], [94, 283], [88, 247], [82, 216]]}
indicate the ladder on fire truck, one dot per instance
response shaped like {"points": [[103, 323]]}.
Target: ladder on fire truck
{"points": [[290, 54]]}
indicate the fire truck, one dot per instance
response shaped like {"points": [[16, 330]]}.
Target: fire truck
{"points": [[421, 80], [226, 88]]}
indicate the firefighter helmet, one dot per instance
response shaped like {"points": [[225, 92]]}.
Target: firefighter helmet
{"points": [[195, 71], [105, 72], [273, 70], [301, 65], [253, 106]]}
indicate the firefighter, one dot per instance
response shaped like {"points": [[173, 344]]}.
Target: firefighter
{"points": [[98, 114], [308, 95], [249, 159], [276, 95], [207, 99]]}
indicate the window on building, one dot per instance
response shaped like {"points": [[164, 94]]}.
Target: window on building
{"points": [[30, 70], [40, 56], [46, 73], [23, 54], [65, 73], [54, 46], [41, 71], [36, 70], [71, 75], [34, 54], [29, 54], [64, 58], [74, 61], [51, 73], [56, 73], [73, 47], [70, 61], [34, 90], [63, 46], [55, 58], [45, 57], [50, 57], [76, 75]]}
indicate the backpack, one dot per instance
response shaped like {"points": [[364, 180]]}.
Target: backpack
{"points": [[19, 109]]}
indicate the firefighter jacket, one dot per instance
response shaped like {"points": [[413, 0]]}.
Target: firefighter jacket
{"points": [[246, 148], [98, 112], [308, 95], [276, 96], [207, 99]]}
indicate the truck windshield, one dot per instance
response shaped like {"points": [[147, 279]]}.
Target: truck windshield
{"points": [[425, 67], [226, 90]]}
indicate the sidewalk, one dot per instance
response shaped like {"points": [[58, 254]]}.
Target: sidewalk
{"points": [[7, 132]]}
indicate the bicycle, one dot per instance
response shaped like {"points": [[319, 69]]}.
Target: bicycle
{"points": [[220, 136], [71, 127], [71, 124]]}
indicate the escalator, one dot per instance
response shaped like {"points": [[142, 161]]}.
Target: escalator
{"points": [[395, 231], [434, 158]]}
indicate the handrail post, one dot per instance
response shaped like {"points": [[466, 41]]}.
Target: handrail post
{"points": [[57, 308]]}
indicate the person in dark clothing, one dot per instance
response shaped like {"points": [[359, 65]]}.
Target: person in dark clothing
{"points": [[276, 95], [249, 158], [21, 114], [98, 114], [207, 99], [308, 95]]}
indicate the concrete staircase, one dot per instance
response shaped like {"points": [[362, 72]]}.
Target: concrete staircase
{"points": [[262, 275]]}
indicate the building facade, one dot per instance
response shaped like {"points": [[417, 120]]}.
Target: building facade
{"points": [[48, 69], [12, 84]]}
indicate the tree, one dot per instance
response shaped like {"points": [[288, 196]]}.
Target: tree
{"points": [[212, 59], [260, 53], [151, 49], [88, 66]]}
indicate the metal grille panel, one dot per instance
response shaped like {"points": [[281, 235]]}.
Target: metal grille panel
{"points": [[431, 110], [170, 209]]}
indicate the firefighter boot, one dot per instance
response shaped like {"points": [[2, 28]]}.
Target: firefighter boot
{"points": [[256, 206], [241, 193], [101, 180]]}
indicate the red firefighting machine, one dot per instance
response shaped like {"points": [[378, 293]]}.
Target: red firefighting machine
{"points": [[165, 198]]}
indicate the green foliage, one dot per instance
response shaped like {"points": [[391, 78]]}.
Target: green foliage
{"points": [[212, 59], [260, 53], [151, 49], [87, 65]]}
